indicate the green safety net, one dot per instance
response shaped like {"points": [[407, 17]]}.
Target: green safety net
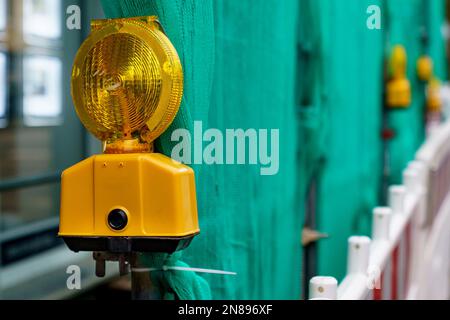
{"points": [[173, 278], [405, 28], [350, 105], [312, 69], [436, 45], [409, 21], [353, 57], [239, 63]]}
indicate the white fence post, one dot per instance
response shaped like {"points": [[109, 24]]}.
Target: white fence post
{"points": [[397, 199], [358, 255], [381, 223], [410, 180], [420, 169], [414, 180], [409, 249], [323, 288]]}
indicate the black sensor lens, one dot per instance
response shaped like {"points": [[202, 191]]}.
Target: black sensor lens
{"points": [[117, 219]]}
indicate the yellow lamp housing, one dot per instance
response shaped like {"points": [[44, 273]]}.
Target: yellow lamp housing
{"points": [[127, 86], [128, 202], [434, 101], [425, 68], [398, 88], [398, 93]]}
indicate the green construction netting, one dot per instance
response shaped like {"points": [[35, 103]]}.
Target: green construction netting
{"points": [[408, 19], [314, 70], [405, 28], [352, 60], [239, 63], [436, 47]]}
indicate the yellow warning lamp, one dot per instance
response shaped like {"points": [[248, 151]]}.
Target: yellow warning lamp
{"points": [[434, 102], [127, 85], [398, 88], [425, 68]]}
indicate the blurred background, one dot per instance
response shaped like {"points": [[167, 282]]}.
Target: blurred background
{"points": [[40, 135], [310, 68]]}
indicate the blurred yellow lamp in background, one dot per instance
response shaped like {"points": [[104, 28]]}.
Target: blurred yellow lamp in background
{"points": [[434, 101], [425, 72], [425, 68], [398, 88]]}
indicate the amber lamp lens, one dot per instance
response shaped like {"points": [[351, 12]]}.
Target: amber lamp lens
{"points": [[127, 82]]}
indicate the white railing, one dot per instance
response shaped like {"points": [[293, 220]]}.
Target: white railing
{"points": [[409, 252]]}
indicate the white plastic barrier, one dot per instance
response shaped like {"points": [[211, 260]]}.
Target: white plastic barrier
{"points": [[408, 256]]}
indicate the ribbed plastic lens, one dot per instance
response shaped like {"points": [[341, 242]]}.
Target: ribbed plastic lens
{"points": [[125, 93], [127, 80]]}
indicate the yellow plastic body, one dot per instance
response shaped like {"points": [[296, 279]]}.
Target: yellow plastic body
{"points": [[434, 102], [424, 68], [157, 194], [398, 87], [398, 93]]}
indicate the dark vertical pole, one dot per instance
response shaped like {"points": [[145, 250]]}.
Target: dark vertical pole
{"points": [[142, 287], [310, 250]]}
